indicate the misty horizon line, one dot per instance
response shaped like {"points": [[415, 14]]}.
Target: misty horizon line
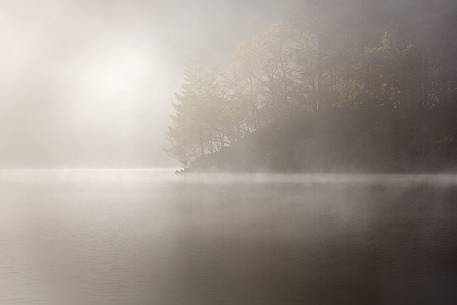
{"points": [[91, 168], [174, 168]]}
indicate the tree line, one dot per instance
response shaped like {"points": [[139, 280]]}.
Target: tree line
{"points": [[294, 83]]}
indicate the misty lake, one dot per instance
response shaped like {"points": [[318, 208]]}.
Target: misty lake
{"points": [[142, 237]]}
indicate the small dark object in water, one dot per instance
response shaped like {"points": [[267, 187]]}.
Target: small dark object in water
{"points": [[182, 171]]}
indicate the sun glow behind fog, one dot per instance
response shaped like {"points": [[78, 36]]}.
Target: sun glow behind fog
{"points": [[113, 100], [82, 80], [112, 85], [117, 71]]}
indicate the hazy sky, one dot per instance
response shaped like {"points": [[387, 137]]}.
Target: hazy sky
{"points": [[88, 83]]}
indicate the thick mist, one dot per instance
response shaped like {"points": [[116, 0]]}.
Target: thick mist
{"points": [[228, 152], [90, 83], [140, 237]]}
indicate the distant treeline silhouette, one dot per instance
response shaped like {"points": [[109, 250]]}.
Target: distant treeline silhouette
{"points": [[301, 97]]}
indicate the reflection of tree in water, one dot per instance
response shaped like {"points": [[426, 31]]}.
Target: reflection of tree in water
{"points": [[321, 245]]}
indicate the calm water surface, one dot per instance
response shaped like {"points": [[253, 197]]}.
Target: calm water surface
{"points": [[147, 237]]}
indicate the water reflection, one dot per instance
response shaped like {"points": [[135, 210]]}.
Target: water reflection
{"points": [[149, 237]]}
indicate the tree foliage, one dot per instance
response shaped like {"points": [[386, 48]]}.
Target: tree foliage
{"points": [[292, 73]]}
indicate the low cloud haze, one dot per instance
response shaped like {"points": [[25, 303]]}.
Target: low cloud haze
{"points": [[90, 83]]}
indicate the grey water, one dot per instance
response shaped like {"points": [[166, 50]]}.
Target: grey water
{"points": [[148, 237]]}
